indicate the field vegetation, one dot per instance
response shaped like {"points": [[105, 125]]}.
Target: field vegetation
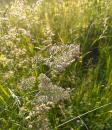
{"points": [[56, 65]]}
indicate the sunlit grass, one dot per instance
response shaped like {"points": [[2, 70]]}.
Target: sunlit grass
{"points": [[28, 30]]}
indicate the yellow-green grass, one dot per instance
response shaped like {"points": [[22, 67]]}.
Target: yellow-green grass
{"points": [[25, 30]]}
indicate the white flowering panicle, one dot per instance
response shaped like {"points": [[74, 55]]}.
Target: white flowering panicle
{"points": [[39, 2], [53, 92], [26, 83], [48, 35], [49, 95], [8, 75], [61, 56], [17, 9]]}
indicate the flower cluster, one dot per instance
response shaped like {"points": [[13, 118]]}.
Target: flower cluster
{"points": [[53, 92], [49, 95], [61, 56], [26, 83]]}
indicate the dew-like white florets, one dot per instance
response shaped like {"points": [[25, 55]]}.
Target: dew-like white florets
{"points": [[49, 95], [27, 83], [61, 56], [53, 92]]}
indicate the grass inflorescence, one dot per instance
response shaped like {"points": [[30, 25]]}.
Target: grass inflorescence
{"points": [[56, 65]]}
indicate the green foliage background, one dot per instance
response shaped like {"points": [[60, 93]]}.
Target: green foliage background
{"points": [[84, 22]]}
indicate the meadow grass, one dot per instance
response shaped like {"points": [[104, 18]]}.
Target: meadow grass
{"points": [[34, 96]]}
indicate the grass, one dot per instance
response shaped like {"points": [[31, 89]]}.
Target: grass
{"points": [[27, 32]]}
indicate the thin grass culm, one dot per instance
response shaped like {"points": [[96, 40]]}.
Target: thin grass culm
{"points": [[81, 115]]}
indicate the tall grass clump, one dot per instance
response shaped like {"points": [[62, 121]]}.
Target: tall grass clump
{"points": [[56, 65]]}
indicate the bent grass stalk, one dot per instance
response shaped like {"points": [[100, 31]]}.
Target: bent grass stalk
{"points": [[81, 115]]}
